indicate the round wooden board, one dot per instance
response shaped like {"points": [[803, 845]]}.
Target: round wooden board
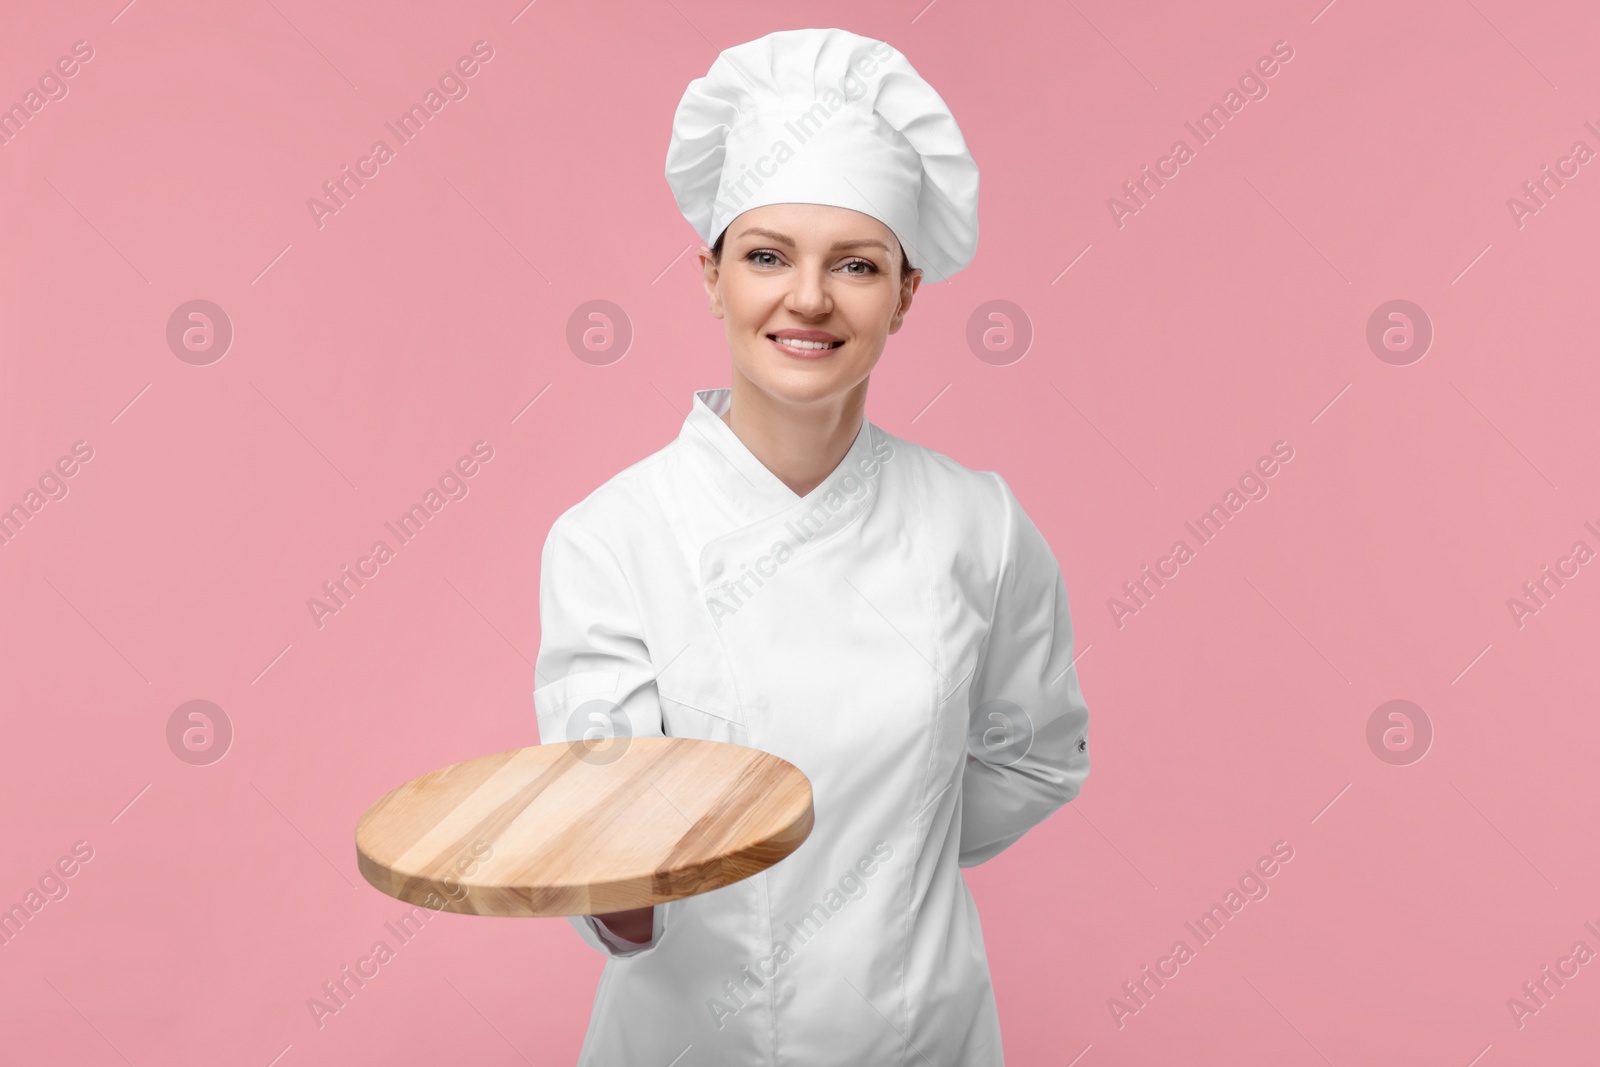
{"points": [[567, 829]]}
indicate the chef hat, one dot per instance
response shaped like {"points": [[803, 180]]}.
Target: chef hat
{"points": [[824, 116]]}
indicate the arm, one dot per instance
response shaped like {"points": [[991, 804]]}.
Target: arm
{"points": [[591, 648], [1030, 723]]}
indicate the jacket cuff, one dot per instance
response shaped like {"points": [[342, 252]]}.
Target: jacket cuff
{"points": [[597, 935]]}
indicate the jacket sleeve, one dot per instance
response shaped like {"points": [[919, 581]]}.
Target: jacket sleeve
{"points": [[591, 648], [1027, 751]]}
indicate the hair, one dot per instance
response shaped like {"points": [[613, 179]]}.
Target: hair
{"points": [[716, 255]]}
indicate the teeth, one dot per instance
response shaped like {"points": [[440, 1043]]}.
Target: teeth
{"points": [[794, 342]]}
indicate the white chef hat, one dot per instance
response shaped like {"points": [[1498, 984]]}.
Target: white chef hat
{"points": [[825, 116]]}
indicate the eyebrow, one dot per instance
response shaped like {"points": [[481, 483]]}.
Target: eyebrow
{"points": [[785, 239]]}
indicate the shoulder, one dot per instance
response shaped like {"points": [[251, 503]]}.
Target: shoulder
{"points": [[974, 523], [947, 484], [624, 502], [965, 510]]}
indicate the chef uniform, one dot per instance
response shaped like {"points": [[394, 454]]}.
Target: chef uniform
{"points": [[900, 634]]}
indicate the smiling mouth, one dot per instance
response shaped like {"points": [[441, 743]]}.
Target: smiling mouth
{"points": [[803, 346]]}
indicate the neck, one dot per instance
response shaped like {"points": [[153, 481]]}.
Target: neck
{"points": [[801, 444]]}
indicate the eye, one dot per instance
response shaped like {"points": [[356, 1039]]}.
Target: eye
{"points": [[750, 257], [872, 268]]}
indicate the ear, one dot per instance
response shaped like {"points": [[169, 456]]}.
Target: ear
{"points": [[709, 273], [908, 290]]}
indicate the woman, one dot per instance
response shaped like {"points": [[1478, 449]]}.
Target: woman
{"points": [[788, 576]]}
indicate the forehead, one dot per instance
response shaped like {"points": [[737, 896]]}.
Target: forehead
{"points": [[810, 224]]}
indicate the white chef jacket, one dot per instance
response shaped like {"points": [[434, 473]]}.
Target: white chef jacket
{"points": [[862, 633]]}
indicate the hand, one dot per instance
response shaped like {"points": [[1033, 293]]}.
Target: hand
{"points": [[635, 924]]}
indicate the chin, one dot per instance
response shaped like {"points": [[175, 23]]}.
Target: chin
{"points": [[796, 385]]}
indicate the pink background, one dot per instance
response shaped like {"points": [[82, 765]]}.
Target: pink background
{"points": [[370, 353]]}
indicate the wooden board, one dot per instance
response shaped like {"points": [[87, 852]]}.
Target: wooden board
{"points": [[558, 830]]}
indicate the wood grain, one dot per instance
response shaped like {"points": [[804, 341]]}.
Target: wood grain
{"points": [[558, 830]]}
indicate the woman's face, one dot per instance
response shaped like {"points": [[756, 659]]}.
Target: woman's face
{"points": [[807, 271]]}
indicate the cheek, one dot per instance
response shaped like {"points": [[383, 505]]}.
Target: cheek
{"points": [[747, 304], [868, 314]]}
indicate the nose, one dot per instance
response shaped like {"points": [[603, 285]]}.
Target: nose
{"points": [[808, 295]]}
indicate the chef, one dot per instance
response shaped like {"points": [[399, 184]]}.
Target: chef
{"points": [[787, 576]]}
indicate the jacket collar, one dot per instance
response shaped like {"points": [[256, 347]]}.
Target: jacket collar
{"points": [[756, 492], [751, 510]]}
